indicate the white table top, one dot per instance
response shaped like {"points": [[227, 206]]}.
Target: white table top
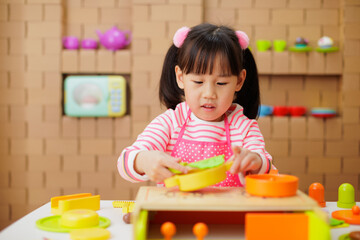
{"points": [[25, 227]]}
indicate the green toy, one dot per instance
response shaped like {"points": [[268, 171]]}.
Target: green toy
{"points": [[203, 164]]}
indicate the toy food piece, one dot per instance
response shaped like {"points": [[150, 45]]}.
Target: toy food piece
{"points": [[61, 204], [202, 164], [127, 218], [268, 185], [265, 110], [168, 229], [335, 222], [354, 235], [127, 206], [301, 42], [72, 219], [350, 216], [200, 179], [316, 191], [90, 234], [346, 196], [200, 230]]}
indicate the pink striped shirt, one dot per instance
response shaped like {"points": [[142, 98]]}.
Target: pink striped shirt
{"points": [[161, 134]]}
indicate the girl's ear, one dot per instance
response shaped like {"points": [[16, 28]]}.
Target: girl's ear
{"points": [[240, 80], [179, 77]]}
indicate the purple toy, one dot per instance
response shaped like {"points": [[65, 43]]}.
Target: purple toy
{"points": [[70, 42], [114, 38], [89, 43]]}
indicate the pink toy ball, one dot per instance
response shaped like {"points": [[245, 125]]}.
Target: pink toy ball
{"points": [[89, 43], [70, 42], [115, 39]]}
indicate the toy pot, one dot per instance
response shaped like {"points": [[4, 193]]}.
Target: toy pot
{"points": [[89, 43], [280, 111], [297, 111], [279, 45], [114, 39], [70, 42], [263, 45]]}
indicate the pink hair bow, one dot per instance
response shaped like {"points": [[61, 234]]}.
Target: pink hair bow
{"points": [[180, 36], [243, 39]]}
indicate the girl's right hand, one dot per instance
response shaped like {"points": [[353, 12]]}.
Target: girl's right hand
{"points": [[156, 164]]}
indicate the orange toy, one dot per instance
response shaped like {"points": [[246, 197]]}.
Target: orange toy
{"points": [[316, 191], [168, 230], [350, 216], [275, 226], [269, 185], [200, 230]]}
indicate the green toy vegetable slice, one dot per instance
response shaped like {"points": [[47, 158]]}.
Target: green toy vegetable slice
{"points": [[203, 164]]}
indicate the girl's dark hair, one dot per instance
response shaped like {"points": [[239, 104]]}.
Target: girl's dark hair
{"points": [[197, 55]]}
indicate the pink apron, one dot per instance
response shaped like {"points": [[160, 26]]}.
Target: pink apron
{"points": [[192, 151]]}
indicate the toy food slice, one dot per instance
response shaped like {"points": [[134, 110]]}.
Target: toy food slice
{"points": [[203, 164], [269, 185], [200, 179]]}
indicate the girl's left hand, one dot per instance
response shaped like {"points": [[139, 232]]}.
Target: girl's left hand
{"points": [[244, 161]]}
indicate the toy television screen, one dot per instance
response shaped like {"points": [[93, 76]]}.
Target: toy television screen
{"points": [[95, 96]]}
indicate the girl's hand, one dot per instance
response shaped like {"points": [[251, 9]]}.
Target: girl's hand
{"points": [[156, 164], [245, 161]]}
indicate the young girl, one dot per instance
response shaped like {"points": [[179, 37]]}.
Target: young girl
{"points": [[209, 84]]}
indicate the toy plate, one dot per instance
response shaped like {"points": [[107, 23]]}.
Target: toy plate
{"points": [[271, 185], [52, 224]]}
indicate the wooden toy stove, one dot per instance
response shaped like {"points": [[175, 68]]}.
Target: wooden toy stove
{"points": [[230, 213]]}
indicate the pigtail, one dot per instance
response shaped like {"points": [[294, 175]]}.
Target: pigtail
{"points": [[249, 95], [169, 93]]}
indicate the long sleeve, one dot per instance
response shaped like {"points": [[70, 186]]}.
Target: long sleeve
{"points": [[156, 136], [254, 141]]}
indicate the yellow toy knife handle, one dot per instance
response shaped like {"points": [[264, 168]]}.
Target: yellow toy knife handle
{"points": [[228, 165]]}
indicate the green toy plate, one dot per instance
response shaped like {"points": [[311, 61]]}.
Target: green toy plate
{"points": [[52, 224], [327, 50], [300, 49], [203, 164]]}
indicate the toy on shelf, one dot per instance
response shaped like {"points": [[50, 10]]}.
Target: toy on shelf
{"points": [[279, 45], [297, 111], [269, 185], [316, 191], [265, 110], [263, 45], [323, 112], [325, 45], [114, 39], [350, 216], [89, 43], [346, 196], [70, 42], [280, 111], [72, 219], [301, 45]]}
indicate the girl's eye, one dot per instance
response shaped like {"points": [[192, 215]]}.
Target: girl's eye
{"points": [[198, 82], [222, 83]]}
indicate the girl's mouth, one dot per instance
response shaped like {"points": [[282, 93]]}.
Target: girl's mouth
{"points": [[208, 106]]}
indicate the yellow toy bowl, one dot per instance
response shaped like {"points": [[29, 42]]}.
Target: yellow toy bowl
{"points": [[72, 219], [199, 179]]}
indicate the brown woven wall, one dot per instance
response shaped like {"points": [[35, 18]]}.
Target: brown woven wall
{"points": [[44, 153]]}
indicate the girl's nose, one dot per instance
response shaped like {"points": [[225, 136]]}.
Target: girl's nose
{"points": [[209, 91]]}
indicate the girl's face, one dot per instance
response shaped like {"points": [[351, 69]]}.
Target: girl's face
{"points": [[209, 96]]}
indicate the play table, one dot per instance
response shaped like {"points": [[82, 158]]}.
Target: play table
{"points": [[25, 227]]}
